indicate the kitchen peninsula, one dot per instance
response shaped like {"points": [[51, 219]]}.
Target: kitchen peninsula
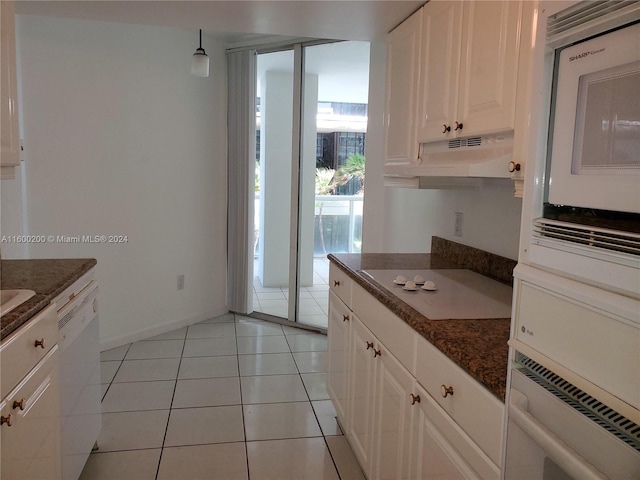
{"points": [[408, 388], [49, 368], [47, 277], [478, 346]]}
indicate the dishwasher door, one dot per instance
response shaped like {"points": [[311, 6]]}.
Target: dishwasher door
{"points": [[80, 389]]}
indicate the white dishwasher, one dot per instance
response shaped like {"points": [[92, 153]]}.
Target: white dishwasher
{"points": [[80, 389]]}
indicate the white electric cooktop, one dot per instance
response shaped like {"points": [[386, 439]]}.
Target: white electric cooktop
{"points": [[459, 294]]}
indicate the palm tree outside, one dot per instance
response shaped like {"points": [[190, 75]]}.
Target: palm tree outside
{"points": [[328, 181], [325, 185], [353, 168]]}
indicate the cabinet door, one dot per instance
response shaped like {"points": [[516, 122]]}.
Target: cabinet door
{"points": [[433, 456], [9, 141], [403, 69], [338, 334], [31, 444], [392, 417], [361, 388], [488, 66], [440, 60]]}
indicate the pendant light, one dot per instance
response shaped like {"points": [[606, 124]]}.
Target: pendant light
{"points": [[200, 61]]}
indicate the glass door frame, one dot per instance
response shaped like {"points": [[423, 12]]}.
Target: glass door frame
{"points": [[295, 181], [296, 184]]}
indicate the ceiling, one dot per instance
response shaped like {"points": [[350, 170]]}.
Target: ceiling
{"points": [[342, 69], [241, 22]]}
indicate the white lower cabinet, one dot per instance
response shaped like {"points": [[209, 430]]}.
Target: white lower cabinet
{"points": [[379, 416], [477, 411], [29, 408], [388, 409], [441, 449], [433, 456], [359, 428], [338, 354], [391, 417]]}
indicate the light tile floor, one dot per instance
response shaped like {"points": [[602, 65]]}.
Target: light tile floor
{"points": [[314, 299], [229, 398]]}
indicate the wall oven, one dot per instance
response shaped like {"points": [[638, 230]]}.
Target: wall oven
{"points": [[573, 398], [558, 432]]}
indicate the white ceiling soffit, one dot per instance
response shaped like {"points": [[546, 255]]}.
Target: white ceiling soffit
{"points": [[240, 21]]}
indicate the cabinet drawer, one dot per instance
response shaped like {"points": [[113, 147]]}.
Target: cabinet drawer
{"points": [[393, 332], [471, 405], [31, 443], [573, 333], [340, 284], [19, 352], [442, 449]]}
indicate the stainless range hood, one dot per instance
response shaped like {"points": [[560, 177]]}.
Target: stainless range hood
{"points": [[455, 163]]}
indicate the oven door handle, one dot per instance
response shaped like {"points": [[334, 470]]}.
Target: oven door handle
{"points": [[571, 462]]}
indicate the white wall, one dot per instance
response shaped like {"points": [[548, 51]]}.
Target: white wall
{"points": [[491, 218], [122, 140], [12, 214], [373, 215], [401, 220]]}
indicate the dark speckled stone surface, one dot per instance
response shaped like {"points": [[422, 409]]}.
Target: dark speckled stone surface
{"points": [[478, 346], [47, 277], [488, 264]]}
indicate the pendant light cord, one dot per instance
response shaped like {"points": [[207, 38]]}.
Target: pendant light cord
{"points": [[200, 50]]}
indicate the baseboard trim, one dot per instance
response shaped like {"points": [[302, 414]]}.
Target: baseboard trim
{"points": [[154, 330]]}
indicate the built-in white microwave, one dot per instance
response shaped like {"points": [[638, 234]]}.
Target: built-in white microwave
{"points": [[594, 155], [582, 197]]}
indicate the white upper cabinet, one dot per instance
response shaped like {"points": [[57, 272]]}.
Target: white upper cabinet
{"points": [[453, 73], [438, 97], [488, 67], [9, 137], [470, 66], [403, 47]]}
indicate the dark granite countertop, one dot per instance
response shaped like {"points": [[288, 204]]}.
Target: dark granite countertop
{"points": [[479, 347], [47, 277]]}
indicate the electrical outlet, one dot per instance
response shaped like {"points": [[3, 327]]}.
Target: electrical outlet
{"points": [[458, 228], [180, 282]]}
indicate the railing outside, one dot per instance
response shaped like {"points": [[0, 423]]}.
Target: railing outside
{"points": [[333, 212], [340, 217]]}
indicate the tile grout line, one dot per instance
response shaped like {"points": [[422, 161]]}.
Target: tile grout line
{"points": [[175, 386], [114, 375], [244, 424], [289, 339], [324, 438]]}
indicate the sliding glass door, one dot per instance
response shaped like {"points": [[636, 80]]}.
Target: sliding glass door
{"points": [[274, 154], [311, 124]]}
